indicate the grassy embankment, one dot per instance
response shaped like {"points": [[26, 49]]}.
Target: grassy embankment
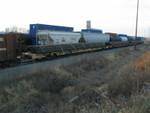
{"points": [[111, 83]]}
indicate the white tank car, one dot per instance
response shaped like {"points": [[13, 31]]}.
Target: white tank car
{"points": [[95, 37], [46, 37], [124, 39]]}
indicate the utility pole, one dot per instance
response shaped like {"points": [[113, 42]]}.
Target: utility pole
{"points": [[136, 28]]}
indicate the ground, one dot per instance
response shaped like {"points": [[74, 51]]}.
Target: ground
{"points": [[113, 82]]}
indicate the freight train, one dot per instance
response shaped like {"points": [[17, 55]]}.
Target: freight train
{"points": [[46, 41]]}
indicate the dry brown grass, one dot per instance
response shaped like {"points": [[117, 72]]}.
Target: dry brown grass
{"points": [[48, 87], [143, 62], [130, 85], [110, 86], [147, 40]]}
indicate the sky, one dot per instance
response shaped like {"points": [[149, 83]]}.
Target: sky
{"points": [[118, 16]]}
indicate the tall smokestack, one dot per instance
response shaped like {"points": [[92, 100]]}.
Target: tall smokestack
{"points": [[88, 24]]}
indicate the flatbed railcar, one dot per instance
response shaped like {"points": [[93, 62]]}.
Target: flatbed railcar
{"points": [[9, 57], [44, 51]]}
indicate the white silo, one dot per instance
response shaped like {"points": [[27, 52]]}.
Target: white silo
{"points": [[7, 30], [88, 24]]}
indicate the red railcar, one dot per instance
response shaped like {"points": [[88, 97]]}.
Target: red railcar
{"points": [[112, 34], [10, 48]]}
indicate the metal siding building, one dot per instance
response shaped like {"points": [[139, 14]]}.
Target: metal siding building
{"points": [[92, 31], [35, 27], [1, 33], [122, 35]]}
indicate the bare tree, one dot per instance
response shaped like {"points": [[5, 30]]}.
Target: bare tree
{"points": [[16, 29]]}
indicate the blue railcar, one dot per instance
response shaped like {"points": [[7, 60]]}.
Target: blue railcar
{"points": [[124, 38], [92, 30], [141, 39], [35, 27]]}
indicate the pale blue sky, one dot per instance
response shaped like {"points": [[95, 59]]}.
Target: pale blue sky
{"points": [[108, 15]]}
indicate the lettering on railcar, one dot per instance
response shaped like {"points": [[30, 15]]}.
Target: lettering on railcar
{"points": [[63, 39]]}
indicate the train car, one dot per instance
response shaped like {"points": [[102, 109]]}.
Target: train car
{"points": [[46, 37], [112, 34], [124, 38], [34, 28], [115, 39], [3, 47], [10, 48], [95, 37], [140, 39], [131, 38]]}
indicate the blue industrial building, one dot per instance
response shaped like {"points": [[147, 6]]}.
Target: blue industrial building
{"points": [[2, 33], [92, 30]]}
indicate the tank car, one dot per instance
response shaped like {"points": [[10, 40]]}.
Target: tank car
{"points": [[46, 37], [124, 38], [95, 37]]}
